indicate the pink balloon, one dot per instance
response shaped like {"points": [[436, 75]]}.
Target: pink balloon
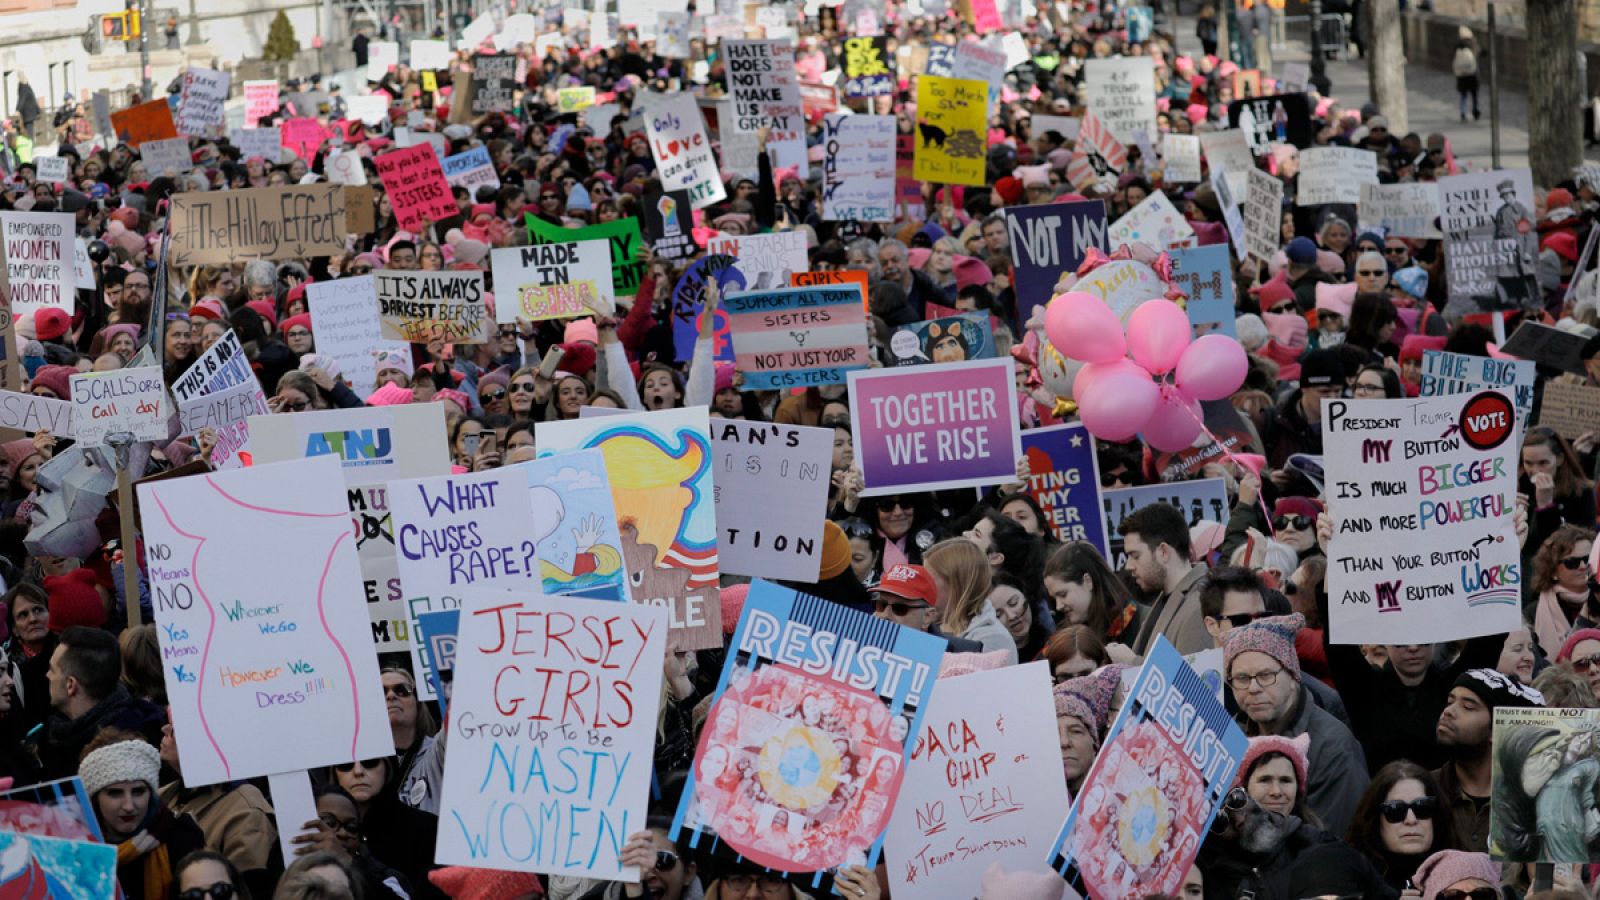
{"points": [[1175, 423], [1118, 404], [1212, 368], [1083, 327], [1158, 332], [1093, 371]]}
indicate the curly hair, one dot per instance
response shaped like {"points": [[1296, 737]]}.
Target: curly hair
{"points": [[1556, 547]]}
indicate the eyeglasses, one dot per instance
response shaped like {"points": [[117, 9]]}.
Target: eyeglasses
{"points": [[298, 333], [1107, 479], [522, 387], [1575, 562], [1241, 683], [358, 270], [1283, 308], [222, 890], [741, 884], [1483, 893], [1298, 523], [666, 860], [496, 394], [1394, 251], [1239, 620], [1371, 273], [297, 405], [335, 823], [1586, 663], [1369, 390], [902, 503], [1394, 811], [899, 608], [399, 690], [368, 764]]}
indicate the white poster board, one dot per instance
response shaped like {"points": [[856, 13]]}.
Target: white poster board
{"points": [[772, 496], [39, 261], [684, 161], [201, 102], [1401, 210], [858, 168], [344, 318], [1181, 154], [1334, 175], [1263, 215], [122, 400], [1229, 151], [52, 169], [521, 274], [766, 94], [1121, 92], [1155, 222]]}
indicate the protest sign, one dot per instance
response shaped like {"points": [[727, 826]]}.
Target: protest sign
{"points": [[169, 157], [866, 67], [1168, 761], [976, 62], [1263, 215], [227, 412], [471, 169], [1275, 118], [428, 54], [762, 469], [672, 35], [435, 640], [1401, 210], [1180, 153], [861, 687], [1541, 781], [1229, 151], [304, 136], [1421, 493], [1228, 434], [1206, 278], [368, 109], [689, 306], [414, 181], [1573, 410], [52, 169], [122, 400], [419, 307], [83, 275], [836, 276], [32, 413], [983, 786], [60, 809], [766, 94], [574, 99], [1066, 126], [499, 810], [934, 427], [344, 317], [494, 82], [1334, 175], [345, 168], [1548, 346], [627, 268], [1155, 222], [946, 340], [1445, 374], [100, 104], [200, 103], [1232, 216], [1064, 479], [1048, 240], [260, 101], [575, 525], [660, 468], [266, 143], [952, 117], [382, 56], [151, 121], [797, 337], [39, 252], [280, 655], [1198, 500], [223, 365], [35, 867], [1121, 93], [553, 281], [1491, 241], [285, 222], [1097, 158], [858, 168], [941, 60], [665, 215], [763, 261]]}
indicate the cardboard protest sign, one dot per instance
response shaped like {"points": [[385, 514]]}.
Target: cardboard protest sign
{"points": [[1229, 151], [150, 121], [41, 868], [624, 236], [32, 413], [947, 340], [1421, 493], [1278, 117], [682, 152], [766, 94], [860, 688], [508, 729], [1121, 93], [575, 525], [52, 169], [866, 67], [1573, 410], [494, 82], [1263, 215], [286, 222], [1155, 222], [858, 168], [659, 466], [553, 281], [39, 261], [421, 306], [1541, 779], [414, 181], [665, 215], [344, 317], [1064, 479], [1548, 346], [260, 101], [983, 786], [796, 337], [1180, 153], [1206, 278], [1334, 175], [122, 400], [1048, 240], [471, 169], [765, 260], [762, 468], [1204, 498], [836, 276], [952, 118], [1401, 210], [933, 427], [1491, 241], [1445, 374], [1168, 761], [200, 103]]}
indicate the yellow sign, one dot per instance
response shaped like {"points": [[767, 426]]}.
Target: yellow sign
{"points": [[574, 99], [430, 81], [952, 116]]}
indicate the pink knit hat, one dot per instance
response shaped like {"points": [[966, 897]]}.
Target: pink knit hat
{"points": [[1296, 749], [733, 597], [55, 379], [1337, 298], [17, 452], [970, 270], [456, 397], [1443, 869], [1070, 704], [1273, 636], [390, 394], [581, 330]]}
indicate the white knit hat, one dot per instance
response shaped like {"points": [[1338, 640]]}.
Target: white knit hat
{"points": [[132, 760]]}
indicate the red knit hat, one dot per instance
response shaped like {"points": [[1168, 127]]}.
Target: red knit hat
{"points": [[1296, 749], [1567, 646], [50, 324], [303, 320], [1010, 190], [55, 379], [265, 309], [17, 452]]}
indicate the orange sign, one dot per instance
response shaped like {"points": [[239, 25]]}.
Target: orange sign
{"points": [[146, 122], [838, 276]]}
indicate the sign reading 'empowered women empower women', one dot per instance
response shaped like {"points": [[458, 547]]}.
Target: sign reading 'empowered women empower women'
{"points": [[1422, 493]]}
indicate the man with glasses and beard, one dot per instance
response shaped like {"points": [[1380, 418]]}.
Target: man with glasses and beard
{"points": [[1233, 597]]}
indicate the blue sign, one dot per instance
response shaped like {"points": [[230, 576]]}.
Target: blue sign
{"points": [[1203, 500], [1206, 275], [1048, 240]]}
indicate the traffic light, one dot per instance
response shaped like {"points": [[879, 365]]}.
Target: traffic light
{"points": [[122, 26]]}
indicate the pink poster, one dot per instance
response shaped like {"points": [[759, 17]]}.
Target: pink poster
{"points": [[985, 17], [416, 186], [304, 137]]}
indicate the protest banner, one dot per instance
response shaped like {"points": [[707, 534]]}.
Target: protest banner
{"points": [[498, 809], [430, 54], [1229, 151], [1541, 782], [35, 867], [797, 337], [949, 339], [52, 169], [1168, 761], [1206, 278], [471, 169], [151, 121], [1047, 240], [575, 99], [761, 469], [227, 412], [1401, 210], [285, 222], [414, 181], [223, 365], [494, 82], [1491, 241], [1573, 410], [1121, 93], [624, 236], [1273, 119], [875, 677], [304, 136], [130, 400], [553, 281], [763, 261], [858, 168], [59, 809], [40, 271], [665, 215], [1421, 493], [33, 413], [1445, 374], [1263, 215], [689, 306], [266, 143], [201, 100], [836, 276], [260, 101], [169, 157], [382, 56], [952, 115], [1155, 222], [660, 468], [1064, 479], [1180, 153], [1198, 500], [419, 307], [983, 786], [287, 654], [934, 427], [344, 317], [1097, 158], [1334, 175], [766, 94], [1548, 346], [866, 67], [575, 525]]}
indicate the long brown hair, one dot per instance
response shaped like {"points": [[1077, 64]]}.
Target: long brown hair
{"points": [[966, 571], [1556, 547], [1569, 478], [1366, 826], [1076, 559]]}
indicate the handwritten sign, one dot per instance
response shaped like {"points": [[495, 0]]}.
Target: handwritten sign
{"points": [[381, 57], [169, 157], [223, 365], [1421, 493], [1229, 151], [471, 169], [833, 277], [1541, 755], [1263, 214], [53, 169], [263, 142], [867, 67], [858, 168], [246, 655], [429, 54], [227, 412], [1064, 479], [286, 222], [415, 183], [1491, 241], [260, 101], [222, 369], [344, 317], [952, 121], [39, 261], [123, 400], [32, 413], [624, 237], [1121, 92], [1047, 240], [1180, 153], [762, 469], [494, 82], [766, 94], [797, 337], [1445, 374], [1334, 175], [200, 105], [304, 136], [553, 281], [763, 260], [427, 306], [1401, 210], [575, 525], [150, 121], [1573, 410], [682, 152], [1155, 222]]}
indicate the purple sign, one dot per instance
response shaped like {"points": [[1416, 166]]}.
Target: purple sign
{"points": [[932, 427]]}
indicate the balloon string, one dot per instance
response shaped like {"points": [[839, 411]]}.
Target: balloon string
{"points": [[1261, 499]]}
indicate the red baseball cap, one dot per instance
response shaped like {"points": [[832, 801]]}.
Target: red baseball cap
{"points": [[910, 583]]}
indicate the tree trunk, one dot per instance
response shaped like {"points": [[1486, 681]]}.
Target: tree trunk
{"points": [[1555, 91], [1386, 62]]}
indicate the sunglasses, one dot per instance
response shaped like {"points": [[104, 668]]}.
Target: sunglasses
{"points": [[1393, 251], [896, 503], [368, 764], [1283, 308], [1586, 663], [1394, 811], [899, 608], [225, 891], [1107, 479], [1239, 620], [1369, 273], [1298, 523], [496, 394], [522, 387], [666, 860], [297, 406], [1575, 562], [1483, 893], [400, 690]]}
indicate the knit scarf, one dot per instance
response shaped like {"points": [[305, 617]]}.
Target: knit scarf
{"points": [[1550, 622], [157, 864]]}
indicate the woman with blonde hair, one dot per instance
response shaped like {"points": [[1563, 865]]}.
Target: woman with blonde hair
{"points": [[961, 573], [941, 264]]}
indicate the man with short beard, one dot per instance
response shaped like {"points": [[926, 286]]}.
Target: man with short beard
{"points": [[1463, 733]]}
